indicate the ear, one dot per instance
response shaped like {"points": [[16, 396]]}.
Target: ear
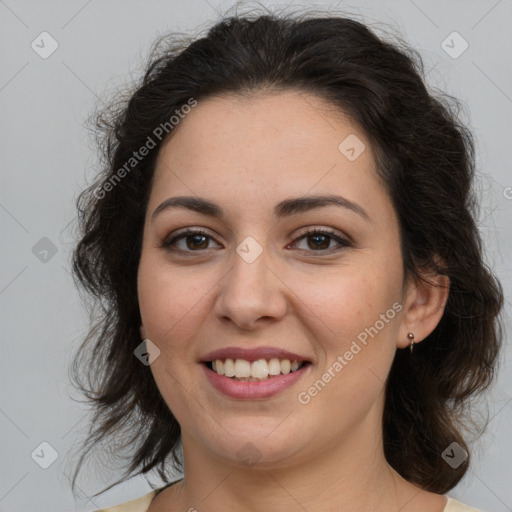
{"points": [[143, 332], [423, 307]]}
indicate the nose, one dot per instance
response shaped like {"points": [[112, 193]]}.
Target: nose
{"points": [[251, 294]]}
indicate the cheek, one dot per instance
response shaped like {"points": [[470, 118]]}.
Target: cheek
{"points": [[169, 304], [347, 301], [358, 347], [169, 300], [356, 308]]}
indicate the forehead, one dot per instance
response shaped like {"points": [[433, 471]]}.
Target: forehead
{"points": [[264, 147], [298, 122]]}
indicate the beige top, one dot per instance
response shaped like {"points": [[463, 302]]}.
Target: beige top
{"points": [[142, 504]]}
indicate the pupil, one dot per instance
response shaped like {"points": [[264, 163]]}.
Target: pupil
{"points": [[196, 239], [316, 237]]}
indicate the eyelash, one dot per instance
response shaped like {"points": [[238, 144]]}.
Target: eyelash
{"points": [[167, 244]]}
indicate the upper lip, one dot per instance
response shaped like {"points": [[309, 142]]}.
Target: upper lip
{"points": [[251, 354]]}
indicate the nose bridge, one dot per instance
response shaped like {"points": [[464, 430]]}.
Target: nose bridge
{"points": [[248, 277], [250, 290]]}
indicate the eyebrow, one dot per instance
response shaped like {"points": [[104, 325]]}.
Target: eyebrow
{"points": [[285, 208]]}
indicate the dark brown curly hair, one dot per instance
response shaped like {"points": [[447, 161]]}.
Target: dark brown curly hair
{"points": [[425, 156]]}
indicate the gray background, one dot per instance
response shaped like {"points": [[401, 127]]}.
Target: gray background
{"points": [[46, 155]]}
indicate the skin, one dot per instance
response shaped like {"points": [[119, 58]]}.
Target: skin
{"points": [[248, 154]]}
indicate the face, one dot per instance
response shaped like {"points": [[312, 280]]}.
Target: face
{"points": [[253, 277]]}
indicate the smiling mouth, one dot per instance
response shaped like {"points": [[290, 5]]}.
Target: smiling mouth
{"points": [[254, 371]]}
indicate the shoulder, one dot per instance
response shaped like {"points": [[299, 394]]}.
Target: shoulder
{"points": [[138, 505], [456, 506], [142, 504]]}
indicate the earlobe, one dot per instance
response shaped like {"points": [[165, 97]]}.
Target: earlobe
{"points": [[142, 332], [424, 308]]}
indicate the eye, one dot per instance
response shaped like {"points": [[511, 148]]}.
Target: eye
{"points": [[193, 238], [197, 240], [321, 240]]}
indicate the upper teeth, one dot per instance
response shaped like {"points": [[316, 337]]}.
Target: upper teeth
{"points": [[259, 369]]}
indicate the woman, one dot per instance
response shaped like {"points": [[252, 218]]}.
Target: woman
{"points": [[292, 279]]}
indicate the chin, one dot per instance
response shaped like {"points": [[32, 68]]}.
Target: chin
{"points": [[261, 448]]}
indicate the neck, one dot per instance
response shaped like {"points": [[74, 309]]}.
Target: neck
{"points": [[352, 472]]}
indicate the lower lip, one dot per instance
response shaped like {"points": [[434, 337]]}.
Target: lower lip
{"points": [[250, 390]]}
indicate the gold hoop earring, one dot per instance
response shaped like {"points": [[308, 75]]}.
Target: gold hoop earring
{"points": [[411, 337]]}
